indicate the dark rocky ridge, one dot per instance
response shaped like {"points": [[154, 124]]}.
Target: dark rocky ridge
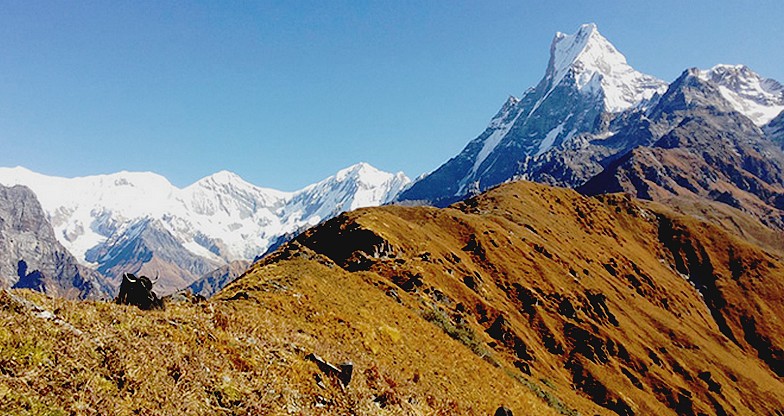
{"points": [[708, 150]]}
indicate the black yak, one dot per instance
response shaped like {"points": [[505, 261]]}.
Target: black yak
{"points": [[138, 291]]}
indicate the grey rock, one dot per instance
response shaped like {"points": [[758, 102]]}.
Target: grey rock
{"points": [[32, 258]]}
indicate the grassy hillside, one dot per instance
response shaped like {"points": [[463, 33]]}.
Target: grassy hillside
{"points": [[246, 355], [528, 296]]}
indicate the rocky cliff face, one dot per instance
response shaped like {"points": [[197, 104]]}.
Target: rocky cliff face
{"points": [[30, 255], [775, 130]]}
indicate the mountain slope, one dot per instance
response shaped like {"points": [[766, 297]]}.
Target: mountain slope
{"points": [[247, 353], [587, 83], [31, 257], [602, 305], [636, 308], [124, 221], [710, 150]]}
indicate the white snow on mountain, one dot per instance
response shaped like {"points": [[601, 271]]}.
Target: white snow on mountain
{"points": [[220, 217], [355, 187], [760, 99], [500, 124], [598, 67], [548, 141]]}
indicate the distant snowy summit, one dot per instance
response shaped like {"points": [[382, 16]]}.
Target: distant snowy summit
{"points": [[590, 108], [218, 219], [760, 99], [590, 63]]}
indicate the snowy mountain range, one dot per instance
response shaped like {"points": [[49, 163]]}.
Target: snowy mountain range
{"points": [[139, 222], [593, 123], [589, 109]]}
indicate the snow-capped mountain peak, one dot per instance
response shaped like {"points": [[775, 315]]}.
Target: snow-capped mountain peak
{"points": [[586, 85], [224, 176], [357, 171], [760, 99], [219, 218], [361, 185], [367, 175], [596, 66], [230, 184]]}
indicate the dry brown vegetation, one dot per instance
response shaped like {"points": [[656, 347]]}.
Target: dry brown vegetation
{"points": [[528, 296]]}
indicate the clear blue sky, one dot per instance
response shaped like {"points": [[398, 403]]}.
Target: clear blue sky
{"points": [[285, 93]]}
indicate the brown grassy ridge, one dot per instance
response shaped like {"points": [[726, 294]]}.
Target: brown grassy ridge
{"points": [[613, 302], [245, 356], [528, 296]]}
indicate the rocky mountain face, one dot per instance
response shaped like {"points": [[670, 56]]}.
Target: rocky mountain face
{"points": [[587, 89], [212, 282], [140, 223], [775, 130], [617, 305], [146, 247], [708, 149], [32, 258], [570, 132]]}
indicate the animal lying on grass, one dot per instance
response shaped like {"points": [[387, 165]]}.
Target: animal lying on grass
{"points": [[138, 291]]}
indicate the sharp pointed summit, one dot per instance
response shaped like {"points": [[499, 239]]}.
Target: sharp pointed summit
{"points": [[594, 65], [586, 86]]}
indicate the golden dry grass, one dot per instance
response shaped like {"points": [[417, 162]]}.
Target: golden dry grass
{"points": [[528, 296], [244, 356]]}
